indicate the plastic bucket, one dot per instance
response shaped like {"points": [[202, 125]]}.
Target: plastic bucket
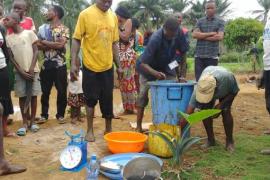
{"points": [[167, 98]]}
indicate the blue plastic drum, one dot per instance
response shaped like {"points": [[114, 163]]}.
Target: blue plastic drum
{"points": [[167, 98]]}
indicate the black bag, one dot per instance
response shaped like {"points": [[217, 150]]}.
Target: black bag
{"points": [[48, 64]]}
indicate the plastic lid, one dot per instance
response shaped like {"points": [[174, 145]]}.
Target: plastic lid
{"points": [[94, 157]]}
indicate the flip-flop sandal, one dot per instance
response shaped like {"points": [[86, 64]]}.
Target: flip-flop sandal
{"points": [[34, 128], [22, 131]]}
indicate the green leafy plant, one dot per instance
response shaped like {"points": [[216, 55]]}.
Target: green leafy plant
{"points": [[179, 146]]}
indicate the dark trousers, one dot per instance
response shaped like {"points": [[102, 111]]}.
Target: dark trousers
{"points": [[266, 76], [202, 63], [98, 87], [48, 78]]}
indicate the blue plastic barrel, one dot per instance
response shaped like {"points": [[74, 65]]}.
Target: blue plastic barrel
{"points": [[167, 98]]}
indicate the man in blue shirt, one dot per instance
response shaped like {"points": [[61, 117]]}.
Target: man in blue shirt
{"points": [[155, 60]]}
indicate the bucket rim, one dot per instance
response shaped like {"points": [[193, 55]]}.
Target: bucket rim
{"points": [[171, 83]]}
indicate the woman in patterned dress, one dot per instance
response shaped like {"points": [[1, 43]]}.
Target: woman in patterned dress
{"points": [[127, 61]]}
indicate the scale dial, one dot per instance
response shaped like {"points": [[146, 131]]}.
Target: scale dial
{"points": [[71, 157]]}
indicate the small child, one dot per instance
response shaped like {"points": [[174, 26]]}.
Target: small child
{"points": [[76, 99], [27, 86]]}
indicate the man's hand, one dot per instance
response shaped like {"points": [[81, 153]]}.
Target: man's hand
{"points": [[31, 72], [120, 73], [182, 80], [160, 75], [26, 76], [74, 73]]}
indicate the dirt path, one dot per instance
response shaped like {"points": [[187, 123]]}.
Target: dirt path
{"points": [[39, 152]]}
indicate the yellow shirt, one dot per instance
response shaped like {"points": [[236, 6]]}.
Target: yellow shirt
{"points": [[97, 31]]}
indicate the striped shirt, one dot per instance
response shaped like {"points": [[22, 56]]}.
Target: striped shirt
{"points": [[208, 49]]}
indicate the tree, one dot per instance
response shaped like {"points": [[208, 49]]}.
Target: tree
{"points": [[262, 14], [241, 32], [150, 13], [178, 5]]}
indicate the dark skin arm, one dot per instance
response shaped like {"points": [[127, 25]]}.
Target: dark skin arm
{"points": [[197, 34], [127, 32], [54, 45], [41, 46], [227, 98], [116, 60], [149, 70], [74, 69], [217, 37], [34, 60], [24, 74]]}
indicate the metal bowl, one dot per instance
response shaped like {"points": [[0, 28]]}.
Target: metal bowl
{"points": [[142, 168]]}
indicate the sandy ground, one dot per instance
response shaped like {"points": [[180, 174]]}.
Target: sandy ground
{"points": [[39, 152]]}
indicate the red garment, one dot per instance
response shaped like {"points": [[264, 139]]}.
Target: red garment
{"points": [[27, 24]]}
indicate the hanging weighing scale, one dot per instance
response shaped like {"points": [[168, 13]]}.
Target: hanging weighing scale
{"points": [[74, 157]]}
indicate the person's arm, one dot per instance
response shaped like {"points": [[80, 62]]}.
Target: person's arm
{"points": [[34, 59], [116, 60], [217, 37], [226, 99], [153, 72], [125, 34], [74, 69], [148, 57], [24, 74], [183, 67], [41, 46], [54, 45], [197, 34]]}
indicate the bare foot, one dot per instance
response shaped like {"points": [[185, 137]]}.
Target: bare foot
{"points": [[107, 131], [230, 147], [6, 168], [208, 144], [90, 137], [140, 130]]}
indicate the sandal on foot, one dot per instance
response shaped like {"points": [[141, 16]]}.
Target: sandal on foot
{"points": [[22, 131], [34, 128]]}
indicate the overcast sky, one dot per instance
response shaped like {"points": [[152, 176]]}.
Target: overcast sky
{"points": [[241, 8]]}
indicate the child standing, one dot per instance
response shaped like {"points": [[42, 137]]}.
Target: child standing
{"points": [[27, 86], [76, 98]]}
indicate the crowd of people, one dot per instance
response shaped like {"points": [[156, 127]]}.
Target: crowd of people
{"points": [[103, 42]]}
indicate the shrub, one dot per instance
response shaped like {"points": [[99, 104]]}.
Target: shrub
{"points": [[231, 57]]}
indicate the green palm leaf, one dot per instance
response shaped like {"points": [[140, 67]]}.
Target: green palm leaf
{"points": [[200, 115]]}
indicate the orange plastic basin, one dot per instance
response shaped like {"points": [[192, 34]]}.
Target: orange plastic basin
{"points": [[125, 141]]}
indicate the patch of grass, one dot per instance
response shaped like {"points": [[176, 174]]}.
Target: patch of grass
{"points": [[245, 163], [234, 67]]}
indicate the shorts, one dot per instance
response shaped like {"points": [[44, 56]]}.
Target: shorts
{"points": [[76, 100], [143, 99], [98, 86], [21, 83]]}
